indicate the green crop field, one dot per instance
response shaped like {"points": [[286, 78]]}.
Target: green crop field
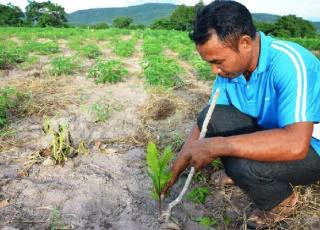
{"points": [[77, 109]]}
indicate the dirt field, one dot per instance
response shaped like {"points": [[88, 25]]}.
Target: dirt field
{"points": [[107, 187]]}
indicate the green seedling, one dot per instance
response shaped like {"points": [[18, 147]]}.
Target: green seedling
{"points": [[216, 164], [198, 195], [227, 220], [91, 51], [62, 65], [108, 71], [205, 221], [158, 170], [102, 111]]}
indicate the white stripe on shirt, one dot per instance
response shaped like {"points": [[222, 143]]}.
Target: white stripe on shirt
{"points": [[304, 75], [299, 79]]}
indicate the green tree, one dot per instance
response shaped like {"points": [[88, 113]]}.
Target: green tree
{"points": [[45, 14], [265, 27], [122, 22], [182, 17], [11, 15], [292, 26], [162, 23]]}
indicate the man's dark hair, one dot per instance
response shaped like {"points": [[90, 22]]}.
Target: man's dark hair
{"points": [[228, 19]]}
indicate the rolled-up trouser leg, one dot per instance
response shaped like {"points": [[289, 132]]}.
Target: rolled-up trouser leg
{"points": [[267, 183]]}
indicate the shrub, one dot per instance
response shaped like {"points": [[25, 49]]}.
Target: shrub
{"points": [[108, 71], [62, 65], [8, 100], [91, 51]]}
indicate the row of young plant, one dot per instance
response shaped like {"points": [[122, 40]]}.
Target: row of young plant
{"points": [[180, 43], [159, 70]]}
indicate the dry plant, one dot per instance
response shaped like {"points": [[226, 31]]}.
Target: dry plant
{"points": [[45, 95]]}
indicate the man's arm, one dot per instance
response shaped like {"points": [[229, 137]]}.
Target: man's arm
{"points": [[283, 144]]}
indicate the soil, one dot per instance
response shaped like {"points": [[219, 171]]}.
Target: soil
{"points": [[107, 188]]}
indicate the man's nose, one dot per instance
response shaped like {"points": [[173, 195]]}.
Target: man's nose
{"points": [[215, 69]]}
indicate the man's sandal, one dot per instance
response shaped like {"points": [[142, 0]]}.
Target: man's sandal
{"points": [[264, 219]]}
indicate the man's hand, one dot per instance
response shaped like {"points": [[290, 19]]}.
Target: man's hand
{"points": [[178, 167], [200, 154], [196, 154]]}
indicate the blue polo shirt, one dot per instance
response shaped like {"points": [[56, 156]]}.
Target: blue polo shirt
{"points": [[283, 89]]}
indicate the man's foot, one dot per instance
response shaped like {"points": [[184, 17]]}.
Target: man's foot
{"points": [[260, 219], [220, 178]]}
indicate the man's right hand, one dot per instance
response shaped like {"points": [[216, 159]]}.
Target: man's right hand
{"points": [[178, 167], [183, 159]]}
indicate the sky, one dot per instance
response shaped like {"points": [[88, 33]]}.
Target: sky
{"points": [[308, 9]]}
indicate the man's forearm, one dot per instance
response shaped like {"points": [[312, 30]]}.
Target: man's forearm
{"points": [[269, 145]]}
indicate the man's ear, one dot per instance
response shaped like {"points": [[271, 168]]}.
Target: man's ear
{"points": [[245, 43]]}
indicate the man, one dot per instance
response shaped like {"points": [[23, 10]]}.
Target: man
{"points": [[264, 125]]}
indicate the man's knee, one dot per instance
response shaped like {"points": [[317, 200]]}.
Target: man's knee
{"points": [[237, 169], [218, 113]]}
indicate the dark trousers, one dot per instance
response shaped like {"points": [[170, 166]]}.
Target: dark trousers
{"points": [[267, 183]]}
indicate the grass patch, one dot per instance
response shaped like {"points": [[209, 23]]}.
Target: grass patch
{"points": [[30, 61], [102, 111], [162, 71], [91, 51], [62, 65], [9, 56], [108, 71], [41, 48], [8, 101], [198, 195]]}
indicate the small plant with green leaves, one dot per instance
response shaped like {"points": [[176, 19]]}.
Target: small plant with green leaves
{"points": [[10, 56], [205, 221], [203, 69], [158, 170], [108, 71], [216, 164], [62, 65], [162, 71], [45, 48], [198, 195], [102, 111], [56, 220], [91, 51], [8, 100], [124, 48]]}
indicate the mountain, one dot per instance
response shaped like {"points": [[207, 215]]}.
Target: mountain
{"points": [[141, 14], [265, 17], [317, 24]]}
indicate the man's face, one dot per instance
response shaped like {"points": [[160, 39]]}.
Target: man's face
{"points": [[224, 60]]}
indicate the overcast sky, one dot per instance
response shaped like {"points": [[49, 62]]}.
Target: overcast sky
{"points": [[309, 9]]}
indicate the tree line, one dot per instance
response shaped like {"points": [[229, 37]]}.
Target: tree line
{"points": [[46, 14]]}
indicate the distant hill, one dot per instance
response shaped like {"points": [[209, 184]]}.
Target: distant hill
{"points": [[265, 17], [317, 24], [142, 14]]}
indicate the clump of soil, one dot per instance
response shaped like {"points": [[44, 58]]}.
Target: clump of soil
{"points": [[162, 109]]}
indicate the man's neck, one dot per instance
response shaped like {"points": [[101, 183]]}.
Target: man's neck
{"points": [[255, 57]]}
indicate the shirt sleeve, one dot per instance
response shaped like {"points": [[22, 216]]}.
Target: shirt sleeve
{"points": [[296, 91], [223, 98]]}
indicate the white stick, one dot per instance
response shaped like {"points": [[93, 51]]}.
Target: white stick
{"points": [[203, 132]]}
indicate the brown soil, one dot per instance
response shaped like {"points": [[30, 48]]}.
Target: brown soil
{"points": [[108, 188]]}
